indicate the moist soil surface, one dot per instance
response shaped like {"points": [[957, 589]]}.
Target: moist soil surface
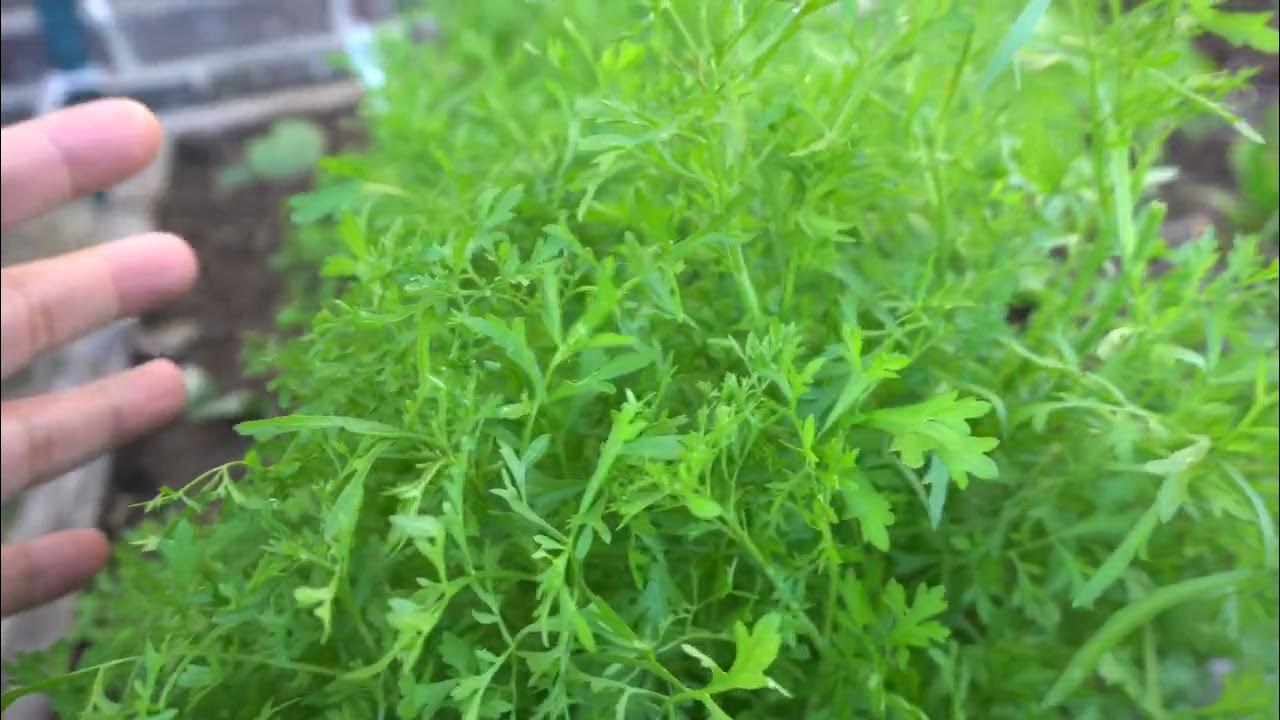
{"points": [[236, 234]]}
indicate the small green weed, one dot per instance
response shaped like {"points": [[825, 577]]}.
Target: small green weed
{"points": [[1256, 167], [748, 360], [287, 151]]}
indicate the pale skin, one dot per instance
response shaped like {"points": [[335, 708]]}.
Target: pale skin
{"points": [[44, 304]]}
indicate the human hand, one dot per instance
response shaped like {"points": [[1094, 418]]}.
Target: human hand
{"points": [[46, 303]]}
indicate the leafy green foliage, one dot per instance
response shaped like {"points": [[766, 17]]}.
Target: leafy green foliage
{"points": [[287, 151], [1256, 168], [740, 359]]}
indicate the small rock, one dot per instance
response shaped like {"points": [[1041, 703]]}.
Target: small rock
{"points": [[1187, 228], [168, 339]]}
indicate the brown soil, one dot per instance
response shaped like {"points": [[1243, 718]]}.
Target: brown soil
{"points": [[235, 234], [1203, 161]]}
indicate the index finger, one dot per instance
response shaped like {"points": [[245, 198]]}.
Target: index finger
{"points": [[51, 159]]}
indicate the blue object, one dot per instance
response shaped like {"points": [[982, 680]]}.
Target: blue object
{"points": [[67, 43], [65, 37]]}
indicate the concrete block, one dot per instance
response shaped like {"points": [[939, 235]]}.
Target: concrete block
{"points": [[185, 31]]}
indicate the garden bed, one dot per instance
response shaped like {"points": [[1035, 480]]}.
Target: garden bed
{"points": [[235, 233], [464, 342]]}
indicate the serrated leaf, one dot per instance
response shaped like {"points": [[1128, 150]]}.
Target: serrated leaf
{"points": [[872, 510], [914, 624], [940, 424], [755, 650]]}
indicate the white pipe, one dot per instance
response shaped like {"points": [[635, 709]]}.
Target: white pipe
{"points": [[123, 59]]}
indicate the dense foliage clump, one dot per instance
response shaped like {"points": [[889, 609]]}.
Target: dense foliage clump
{"points": [[745, 359]]}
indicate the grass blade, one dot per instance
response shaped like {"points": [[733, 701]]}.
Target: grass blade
{"points": [[1119, 559], [1018, 35], [512, 341], [300, 423], [1266, 523], [938, 479], [1238, 123], [1133, 615]]}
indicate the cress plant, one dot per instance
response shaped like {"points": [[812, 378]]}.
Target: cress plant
{"points": [[746, 359]]}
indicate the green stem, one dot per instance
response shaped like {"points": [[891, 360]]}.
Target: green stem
{"points": [[1154, 699], [745, 287]]}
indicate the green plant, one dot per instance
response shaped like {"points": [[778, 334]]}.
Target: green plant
{"points": [[741, 359], [1257, 173], [287, 151]]}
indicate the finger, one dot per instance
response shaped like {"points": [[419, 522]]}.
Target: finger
{"points": [[54, 158], [37, 571], [50, 434], [48, 302]]}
